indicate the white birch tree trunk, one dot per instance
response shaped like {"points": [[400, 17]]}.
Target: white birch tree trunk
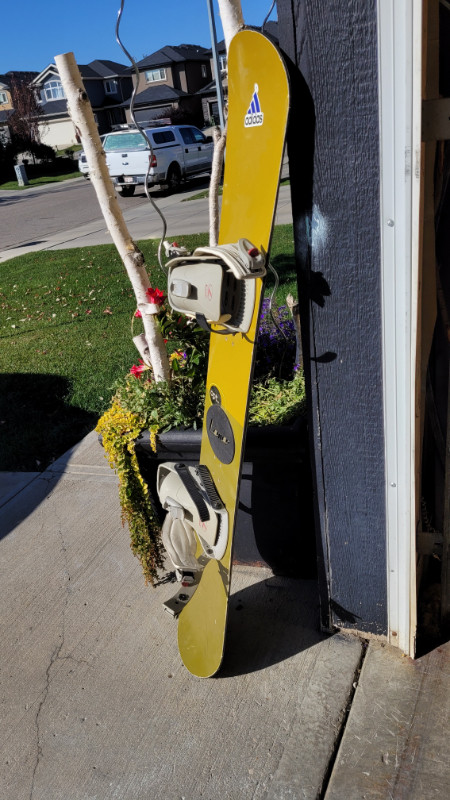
{"points": [[133, 260], [220, 140], [232, 18], [232, 22]]}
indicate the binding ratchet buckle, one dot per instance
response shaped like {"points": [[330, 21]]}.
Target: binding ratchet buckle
{"points": [[195, 513], [215, 285]]}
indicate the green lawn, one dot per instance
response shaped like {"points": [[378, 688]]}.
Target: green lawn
{"points": [[67, 151], [44, 179], [65, 329], [200, 195]]}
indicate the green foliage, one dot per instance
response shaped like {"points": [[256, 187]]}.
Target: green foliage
{"points": [[66, 176], [119, 430], [140, 403], [277, 402]]}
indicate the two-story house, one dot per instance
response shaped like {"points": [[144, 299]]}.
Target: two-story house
{"points": [[169, 81], [107, 84]]}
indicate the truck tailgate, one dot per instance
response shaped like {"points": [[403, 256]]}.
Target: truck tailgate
{"points": [[128, 163]]}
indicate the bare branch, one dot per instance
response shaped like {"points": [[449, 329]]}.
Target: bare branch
{"points": [[24, 121]]}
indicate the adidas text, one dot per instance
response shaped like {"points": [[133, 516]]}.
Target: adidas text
{"points": [[251, 120]]}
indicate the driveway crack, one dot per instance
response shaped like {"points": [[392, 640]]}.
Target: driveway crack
{"points": [[55, 656]]}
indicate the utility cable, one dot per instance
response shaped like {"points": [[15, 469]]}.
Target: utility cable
{"points": [[142, 131], [267, 16]]}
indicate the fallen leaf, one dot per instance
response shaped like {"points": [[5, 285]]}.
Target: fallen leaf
{"points": [[107, 311]]}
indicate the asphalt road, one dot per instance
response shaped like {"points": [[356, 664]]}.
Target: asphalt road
{"points": [[32, 216], [65, 215]]}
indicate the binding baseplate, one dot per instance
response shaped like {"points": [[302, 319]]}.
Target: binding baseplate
{"points": [[214, 285], [194, 512]]}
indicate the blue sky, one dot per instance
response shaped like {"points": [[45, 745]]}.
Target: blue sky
{"points": [[33, 33]]}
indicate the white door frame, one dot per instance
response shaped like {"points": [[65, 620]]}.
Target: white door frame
{"points": [[400, 97]]}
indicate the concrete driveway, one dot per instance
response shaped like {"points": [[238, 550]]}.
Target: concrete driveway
{"points": [[96, 704]]}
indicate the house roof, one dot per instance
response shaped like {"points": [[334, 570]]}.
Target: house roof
{"points": [[54, 107], [49, 69], [210, 88], [20, 75], [103, 69], [170, 54], [98, 69], [156, 94]]}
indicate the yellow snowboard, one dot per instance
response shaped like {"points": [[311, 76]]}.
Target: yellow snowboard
{"points": [[258, 104]]}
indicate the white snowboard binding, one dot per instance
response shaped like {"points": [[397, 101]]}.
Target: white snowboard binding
{"points": [[195, 512], [215, 285]]}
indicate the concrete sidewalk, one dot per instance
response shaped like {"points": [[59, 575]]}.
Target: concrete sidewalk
{"points": [[96, 703]]}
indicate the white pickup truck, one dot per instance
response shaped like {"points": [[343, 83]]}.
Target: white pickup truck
{"points": [[179, 152]]}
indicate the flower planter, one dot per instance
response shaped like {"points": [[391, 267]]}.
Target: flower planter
{"points": [[275, 525]]}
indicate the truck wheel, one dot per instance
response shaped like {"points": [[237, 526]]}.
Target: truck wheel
{"points": [[173, 178], [126, 191]]}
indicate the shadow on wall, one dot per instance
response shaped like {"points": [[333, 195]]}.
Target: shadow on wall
{"points": [[37, 425]]}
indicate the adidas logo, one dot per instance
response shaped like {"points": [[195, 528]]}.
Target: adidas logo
{"points": [[254, 115]]}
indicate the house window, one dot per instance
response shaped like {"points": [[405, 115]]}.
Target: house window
{"points": [[223, 62], [204, 72], [3, 98], [152, 75], [53, 90], [110, 87]]}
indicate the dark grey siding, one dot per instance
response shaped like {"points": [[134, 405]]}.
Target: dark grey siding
{"points": [[334, 156]]}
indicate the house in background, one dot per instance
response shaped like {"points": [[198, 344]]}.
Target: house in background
{"points": [[208, 93], [6, 101], [5, 93], [107, 84], [169, 82], [6, 108]]}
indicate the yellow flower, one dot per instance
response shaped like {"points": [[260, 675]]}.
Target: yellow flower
{"points": [[153, 432]]}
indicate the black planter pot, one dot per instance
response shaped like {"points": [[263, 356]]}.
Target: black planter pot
{"points": [[275, 524]]}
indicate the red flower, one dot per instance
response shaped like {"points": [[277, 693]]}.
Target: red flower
{"points": [[155, 296], [138, 314], [139, 369]]}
